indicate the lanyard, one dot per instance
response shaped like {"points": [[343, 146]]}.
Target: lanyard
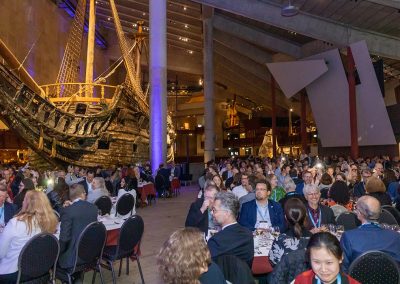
{"points": [[371, 223], [312, 219], [338, 279], [2, 213]]}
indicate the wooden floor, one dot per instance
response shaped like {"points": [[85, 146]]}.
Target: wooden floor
{"points": [[160, 220]]}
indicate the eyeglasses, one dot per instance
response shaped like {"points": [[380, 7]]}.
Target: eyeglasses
{"points": [[214, 210]]}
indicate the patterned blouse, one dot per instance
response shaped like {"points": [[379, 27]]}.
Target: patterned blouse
{"points": [[286, 243]]}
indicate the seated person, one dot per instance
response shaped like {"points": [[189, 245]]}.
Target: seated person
{"points": [[325, 185], [233, 239], [277, 192], [325, 256], [199, 214], [36, 216], [123, 188], [340, 198], [74, 218], [318, 215], [369, 236], [7, 210], [290, 188], [185, 258], [296, 236], [243, 188], [262, 209], [359, 188], [98, 190], [376, 188]]}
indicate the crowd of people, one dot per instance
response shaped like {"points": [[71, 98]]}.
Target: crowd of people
{"points": [[300, 199], [57, 202]]}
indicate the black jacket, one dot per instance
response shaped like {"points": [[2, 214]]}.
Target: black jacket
{"points": [[74, 219], [197, 219], [55, 200], [9, 211], [327, 216]]}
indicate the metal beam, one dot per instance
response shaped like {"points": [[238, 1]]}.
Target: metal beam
{"points": [[254, 36], [242, 47], [313, 26]]}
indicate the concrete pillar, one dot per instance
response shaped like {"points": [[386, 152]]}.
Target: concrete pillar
{"points": [[208, 71], [158, 82]]}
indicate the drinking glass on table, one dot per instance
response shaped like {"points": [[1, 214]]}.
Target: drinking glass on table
{"points": [[275, 231]]}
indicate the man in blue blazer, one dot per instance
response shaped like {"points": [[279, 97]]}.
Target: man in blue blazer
{"points": [[233, 239], [262, 209], [7, 210], [369, 236]]}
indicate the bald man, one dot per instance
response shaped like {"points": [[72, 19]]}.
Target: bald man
{"points": [[369, 236]]}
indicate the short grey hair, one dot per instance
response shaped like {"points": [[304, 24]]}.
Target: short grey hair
{"points": [[310, 187], [229, 202], [289, 184], [368, 210]]}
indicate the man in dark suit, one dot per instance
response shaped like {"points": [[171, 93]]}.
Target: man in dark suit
{"points": [[87, 181], [7, 210], [233, 239], [262, 209], [369, 236], [74, 218], [199, 215]]}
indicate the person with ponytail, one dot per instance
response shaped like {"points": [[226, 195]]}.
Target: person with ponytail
{"points": [[296, 236]]}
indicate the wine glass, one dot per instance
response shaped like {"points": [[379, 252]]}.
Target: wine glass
{"points": [[331, 228], [275, 232]]}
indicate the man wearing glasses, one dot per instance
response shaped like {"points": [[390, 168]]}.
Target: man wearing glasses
{"points": [[243, 189], [233, 239], [262, 209]]}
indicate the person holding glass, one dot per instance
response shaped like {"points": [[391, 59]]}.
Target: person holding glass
{"points": [[318, 215], [296, 236], [325, 256], [36, 216]]}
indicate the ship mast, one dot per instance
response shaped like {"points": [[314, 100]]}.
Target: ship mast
{"points": [[90, 49]]}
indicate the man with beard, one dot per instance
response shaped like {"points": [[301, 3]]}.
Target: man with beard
{"points": [[262, 209]]}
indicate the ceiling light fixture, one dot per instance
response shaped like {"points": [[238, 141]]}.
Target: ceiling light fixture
{"points": [[289, 10]]}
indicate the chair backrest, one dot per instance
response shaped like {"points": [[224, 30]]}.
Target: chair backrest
{"points": [[130, 235], [348, 220], [37, 257], [125, 204], [387, 218], [234, 269], [393, 211], [375, 267], [104, 204], [90, 244]]}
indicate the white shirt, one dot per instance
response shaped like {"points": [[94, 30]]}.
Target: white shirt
{"points": [[12, 240], [96, 193], [239, 191], [263, 214]]}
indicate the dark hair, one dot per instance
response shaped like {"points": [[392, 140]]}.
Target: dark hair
{"points": [[28, 184], [326, 179], [325, 240], [296, 214], [293, 172], [339, 192], [263, 181], [62, 189]]}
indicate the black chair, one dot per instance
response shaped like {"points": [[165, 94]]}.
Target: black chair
{"points": [[104, 204], [393, 211], [387, 218], [128, 245], [37, 258], [349, 220], [125, 204], [375, 267], [235, 270], [89, 250]]}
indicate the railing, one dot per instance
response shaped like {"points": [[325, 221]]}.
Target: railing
{"points": [[82, 92]]}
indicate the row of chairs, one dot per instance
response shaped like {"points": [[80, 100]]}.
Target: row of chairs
{"points": [[37, 262], [124, 206]]}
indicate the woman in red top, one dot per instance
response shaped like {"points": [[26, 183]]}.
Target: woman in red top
{"points": [[325, 257]]}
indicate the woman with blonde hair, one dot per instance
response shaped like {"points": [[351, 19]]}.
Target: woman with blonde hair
{"points": [[99, 189], [185, 259], [36, 216]]}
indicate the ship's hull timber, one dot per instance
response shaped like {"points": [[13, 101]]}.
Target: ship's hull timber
{"points": [[118, 134]]}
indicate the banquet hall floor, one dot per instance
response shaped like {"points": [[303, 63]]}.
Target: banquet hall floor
{"points": [[160, 220]]}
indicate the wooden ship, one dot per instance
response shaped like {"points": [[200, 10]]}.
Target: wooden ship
{"points": [[72, 122]]}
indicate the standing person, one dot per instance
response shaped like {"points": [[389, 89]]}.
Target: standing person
{"points": [[74, 218], [325, 256], [36, 216]]}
